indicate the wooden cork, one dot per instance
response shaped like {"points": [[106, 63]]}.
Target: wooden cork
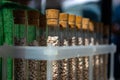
{"points": [[33, 17], [71, 20], [63, 19], [63, 24], [32, 14], [19, 13], [78, 22], [91, 26], [79, 26], [19, 16], [85, 23], [52, 22], [52, 14], [42, 21]]}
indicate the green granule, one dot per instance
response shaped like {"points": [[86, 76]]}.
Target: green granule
{"points": [[9, 69], [31, 34], [37, 33], [1, 42], [17, 30], [8, 26], [22, 31], [1, 29], [8, 37], [40, 31]]}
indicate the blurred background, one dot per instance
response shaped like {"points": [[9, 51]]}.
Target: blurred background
{"points": [[115, 37], [106, 11]]}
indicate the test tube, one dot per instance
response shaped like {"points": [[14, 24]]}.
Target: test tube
{"points": [[63, 22], [20, 65], [85, 26], [33, 24], [79, 60], [52, 34], [72, 42]]}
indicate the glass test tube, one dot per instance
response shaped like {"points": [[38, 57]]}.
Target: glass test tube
{"points": [[72, 33], [42, 30], [52, 34], [42, 42], [79, 34], [20, 65], [97, 57], [85, 26], [33, 23], [101, 73], [106, 41], [93, 41], [52, 16], [72, 42], [63, 22], [79, 60], [96, 33], [20, 27], [91, 33], [8, 22]]}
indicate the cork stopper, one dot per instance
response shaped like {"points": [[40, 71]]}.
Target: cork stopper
{"points": [[19, 13], [33, 17], [78, 22], [32, 14], [52, 22], [19, 16], [52, 14], [91, 26], [63, 18], [71, 20], [42, 21], [85, 23]]}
